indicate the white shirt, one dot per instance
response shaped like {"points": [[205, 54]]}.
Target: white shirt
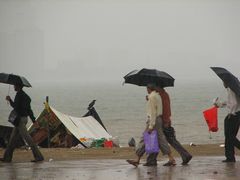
{"points": [[232, 103], [154, 108]]}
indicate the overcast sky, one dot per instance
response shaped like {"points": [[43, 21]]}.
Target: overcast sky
{"points": [[95, 41]]}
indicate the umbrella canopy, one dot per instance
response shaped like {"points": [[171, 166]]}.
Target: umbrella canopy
{"points": [[144, 77], [14, 79], [228, 78]]}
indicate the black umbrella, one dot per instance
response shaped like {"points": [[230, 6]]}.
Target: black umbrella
{"points": [[149, 76], [14, 79], [228, 78]]}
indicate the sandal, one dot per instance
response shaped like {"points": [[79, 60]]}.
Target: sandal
{"points": [[170, 163], [132, 162]]}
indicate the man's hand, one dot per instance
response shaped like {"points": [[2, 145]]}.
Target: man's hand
{"points": [[150, 131], [146, 97], [215, 104], [8, 98], [36, 125], [166, 125]]}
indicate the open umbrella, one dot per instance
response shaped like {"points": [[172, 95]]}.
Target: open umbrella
{"points": [[228, 78], [14, 79], [144, 77]]}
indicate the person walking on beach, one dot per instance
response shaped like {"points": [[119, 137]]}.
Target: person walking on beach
{"points": [[169, 130], [231, 123], [154, 121], [21, 105]]}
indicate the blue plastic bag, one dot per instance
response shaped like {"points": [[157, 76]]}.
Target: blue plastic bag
{"points": [[151, 142]]}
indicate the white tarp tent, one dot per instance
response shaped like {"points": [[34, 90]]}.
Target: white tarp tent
{"points": [[84, 127], [56, 126]]}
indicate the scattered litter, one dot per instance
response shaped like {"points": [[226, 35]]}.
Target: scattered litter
{"points": [[50, 160], [79, 146], [222, 145], [192, 144]]}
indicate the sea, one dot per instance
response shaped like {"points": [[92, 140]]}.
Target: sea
{"points": [[122, 108]]}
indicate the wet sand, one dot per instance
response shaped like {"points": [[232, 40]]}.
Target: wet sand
{"points": [[103, 163], [58, 154], [201, 167]]}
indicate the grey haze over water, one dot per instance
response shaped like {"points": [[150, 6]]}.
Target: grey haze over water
{"points": [[92, 41], [78, 50]]}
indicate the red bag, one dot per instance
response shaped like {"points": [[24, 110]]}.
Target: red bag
{"points": [[211, 117], [108, 144]]}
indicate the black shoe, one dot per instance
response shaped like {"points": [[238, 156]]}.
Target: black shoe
{"points": [[229, 161], [150, 164], [186, 161], [37, 160]]}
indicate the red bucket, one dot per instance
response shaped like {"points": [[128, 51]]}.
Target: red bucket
{"points": [[108, 144], [211, 117]]}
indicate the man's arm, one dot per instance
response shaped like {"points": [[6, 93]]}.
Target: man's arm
{"points": [[31, 115], [219, 104], [153, 112]]}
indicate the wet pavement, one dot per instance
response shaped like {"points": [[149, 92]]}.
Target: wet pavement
{"points": [[208, 168]]}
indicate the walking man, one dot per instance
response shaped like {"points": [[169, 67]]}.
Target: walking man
{"points": [[231, 123], [169, 130], [21, 105], [154, 121]]}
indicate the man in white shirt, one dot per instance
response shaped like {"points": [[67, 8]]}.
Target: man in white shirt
{"points": [[231, 124], [154, 121]]}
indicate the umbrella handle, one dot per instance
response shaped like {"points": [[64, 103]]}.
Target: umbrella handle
{"points": [[8, 93], [8, 90]]}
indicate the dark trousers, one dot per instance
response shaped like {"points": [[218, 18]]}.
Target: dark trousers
{"points": [[18, 131], [171, 138], [231, 126]]}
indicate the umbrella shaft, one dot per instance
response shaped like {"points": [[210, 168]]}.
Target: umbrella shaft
{"points": [[8, 90], [8, 93]]}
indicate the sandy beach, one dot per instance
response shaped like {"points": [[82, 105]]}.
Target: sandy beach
{"points": [[61, 154]]}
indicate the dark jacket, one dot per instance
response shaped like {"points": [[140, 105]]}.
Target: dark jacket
{"points": [[22, 105]]}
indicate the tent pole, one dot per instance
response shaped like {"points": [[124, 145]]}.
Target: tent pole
{"points": [[47, 100]]}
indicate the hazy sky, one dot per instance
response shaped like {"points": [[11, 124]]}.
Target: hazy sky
{"points": [[85, 40]]}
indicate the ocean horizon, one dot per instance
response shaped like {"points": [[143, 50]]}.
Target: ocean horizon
{"points": [[122, 107]]}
